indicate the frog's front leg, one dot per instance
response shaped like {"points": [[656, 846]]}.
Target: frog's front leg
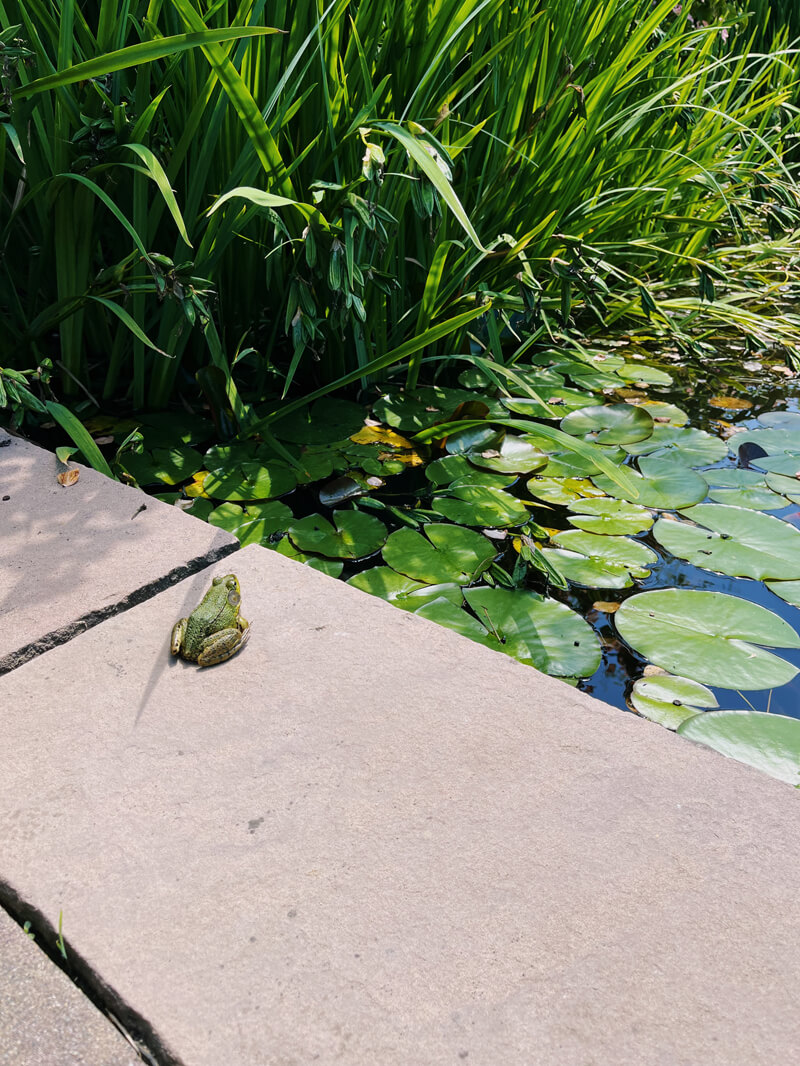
{"points": [[221, 646], [178, 634]]}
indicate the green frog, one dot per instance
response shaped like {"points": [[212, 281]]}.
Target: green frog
{"points": [[215, 630]]}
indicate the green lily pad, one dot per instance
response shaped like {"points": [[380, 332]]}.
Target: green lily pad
{"points": [[611, 516], [560, 400], [734, 477], [331, 567], [657, 409], [514, 455], [787, 590], [670, 700], [457, 468], [789, 486], [781, 420], [571, 464], [754, 499], [589, 572], [648, 375], [692, 447], [446, 613], [786, 464], [355, 535], [733, 541], [772, 440], [618, 423], [533, 376], [254, 526], [632, 554], [412, 412], [444, 553], [250, 480], [708, 637], [540, 632], [768, 742], [170, 465], [561, 491], [474, 439], [402, 591], [661, 484], [479, 505], [323, 422]]}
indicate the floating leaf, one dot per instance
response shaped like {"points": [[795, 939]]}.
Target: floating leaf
{"points": [[787, 464], [561, 491], [444, 553], [632, 554], [647, 375], [402, 591], [445, 613], [535, 377], [558, 399], [457, 468], [662, 484], [170, 465], [772, 440], [731, 403], [768, 742], [250, 480], [781, 420], [514, 455], [324, 422], [662, 412], [570, 464], [540, 632], [475, 438], [789, 486], [412, 412], [480, 505], [618, 423], [692, 447], [589, 572], [787, 590], [753, 498], [255, 525], [331, 567], [355, 535], [734, 477], [733, 541], [610, 516], [709, 637], [670, 700]]}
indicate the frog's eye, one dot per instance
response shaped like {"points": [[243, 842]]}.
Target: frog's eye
{"points": [[234, 599]]}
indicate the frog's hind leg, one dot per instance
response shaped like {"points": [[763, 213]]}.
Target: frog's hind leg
{"points": [[222, 645]]}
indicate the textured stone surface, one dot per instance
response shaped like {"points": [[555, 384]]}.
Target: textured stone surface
{"points": [[71, 556], [44, 1019], [366, 840]]}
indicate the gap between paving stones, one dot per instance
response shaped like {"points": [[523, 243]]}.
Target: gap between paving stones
{"points": [[65, 633]]}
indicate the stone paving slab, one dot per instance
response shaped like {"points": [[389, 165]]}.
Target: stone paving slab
{"points": [[44, 1019], [72, 556], [365, 840]]}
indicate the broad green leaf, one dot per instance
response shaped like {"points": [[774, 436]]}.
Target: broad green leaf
{"points": [[789, 486], [733, 541], [619, 423], [787, 590], [608, 516], [250, 480], [559, 401], [443, 554], [324, 422], [708, 637], [632, 554], [662, 484], [513, 455], [561, 491], [648, 375], [670, 700], [446, 613], [353, 535], [774, 440], [539, 632], [80, 437], [170, 465], [479, 505], [692, 447], [402, 591], [768, 742], [590, 572], [331, 567], [754, 498], [256, 525], [458, 469]]}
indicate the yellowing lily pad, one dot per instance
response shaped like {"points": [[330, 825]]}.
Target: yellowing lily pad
{"points": [[444, 553], [353, 536], [708, 637]]}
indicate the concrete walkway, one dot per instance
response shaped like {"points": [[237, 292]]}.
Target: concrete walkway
{"points": [[366, 840]]}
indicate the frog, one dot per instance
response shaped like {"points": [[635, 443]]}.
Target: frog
{"points": [[215, 630]]}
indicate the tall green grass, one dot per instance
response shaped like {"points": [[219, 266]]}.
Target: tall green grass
{"points": [[190, 196]]}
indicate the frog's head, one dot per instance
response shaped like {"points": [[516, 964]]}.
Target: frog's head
{"points": [[230, 582]]}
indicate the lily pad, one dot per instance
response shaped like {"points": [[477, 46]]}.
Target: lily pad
{"points": [[648, 375], [457, 468], [255, 525], [781, 420], [692, 447], [561, 491], [734, 477], [659, 410], [670, 700], [331, 567], [733, 541], [587, 571], [444, 553], [534, 376], [773, 440], [476, 438], [354, 535], [708, 637], [786, 464], [618, 423], [250, 480], [632, 554], [323, 422], [170, 465], [768, 742], [540, 632], [614, 517], [514, 455], [754, 499], [789, 486], [412, 412], [480, 505], [787, 590], [402, 591], [571, 464], [559, 400], [661, 484], [446, 613]]}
